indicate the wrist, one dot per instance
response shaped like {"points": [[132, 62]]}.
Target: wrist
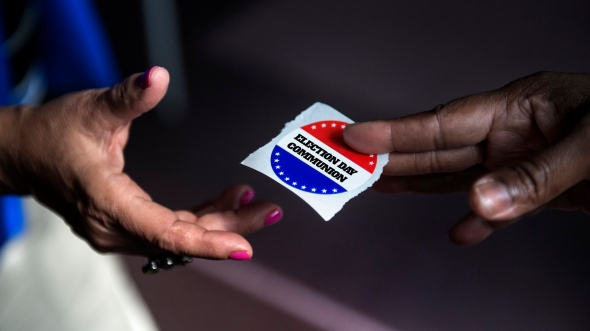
{"points": [[9, 126]]}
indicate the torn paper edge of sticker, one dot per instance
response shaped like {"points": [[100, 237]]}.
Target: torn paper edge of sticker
{"points": [[325, 205]]}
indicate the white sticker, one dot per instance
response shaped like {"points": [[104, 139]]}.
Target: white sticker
{"points": [[310, 158]]}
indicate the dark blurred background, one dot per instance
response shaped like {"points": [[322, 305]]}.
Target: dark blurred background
{"points": [[251, 66]]}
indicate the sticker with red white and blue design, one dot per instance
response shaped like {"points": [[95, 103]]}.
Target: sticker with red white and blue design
{"points": [[315, 159], [310, 158]]}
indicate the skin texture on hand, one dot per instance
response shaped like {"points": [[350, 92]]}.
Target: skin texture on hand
{"points": [[516, 150], [68, 154]]}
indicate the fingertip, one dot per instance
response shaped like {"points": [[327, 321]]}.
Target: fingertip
{"points": [[491, 199], [235, 197], [160, 76], [154, 84], [240, 256], [154, 75], [220, 245], [273, 217], [260, 213], [145, 80], [469, 231], [244, 220], [247, 196], [355, 136], [368, 137]]}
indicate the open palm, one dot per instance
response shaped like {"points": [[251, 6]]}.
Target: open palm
{"points": [[68, 153]]}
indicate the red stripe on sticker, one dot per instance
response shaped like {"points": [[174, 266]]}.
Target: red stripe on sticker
{"points": [[330, 133]]}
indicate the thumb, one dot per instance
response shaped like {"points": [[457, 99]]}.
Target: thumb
{"points": [[134, 96], [512, 192]]}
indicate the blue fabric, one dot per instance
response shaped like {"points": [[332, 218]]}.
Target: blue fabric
{"points": [[75, 51], [75, 54], [11, 214], [11, 218]]}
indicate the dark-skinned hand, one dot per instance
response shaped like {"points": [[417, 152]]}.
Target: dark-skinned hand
{"points": [[516, 150]]}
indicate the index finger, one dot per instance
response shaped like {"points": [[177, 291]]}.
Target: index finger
{"points": [[460, 123], [153, 224], [162, 227]]}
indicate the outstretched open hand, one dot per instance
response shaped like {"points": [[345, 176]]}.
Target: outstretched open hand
{"points": [[516, 150], [68, 153]]}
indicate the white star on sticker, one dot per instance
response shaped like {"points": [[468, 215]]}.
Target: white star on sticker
{"points": [[371, 163], [334, 190], [286, 178], [277, 153], [323, 125], [313, 127], [371, 155], [324, 191], [281, 173], [333, 125], [304, 187], [278, 167], [294, 183], [313, 189], [343, 126], [276, 160]]}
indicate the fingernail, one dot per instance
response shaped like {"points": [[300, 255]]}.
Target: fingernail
{"points": [[145, 80], [246, 197], [273, 217], [494, 197], [240, 256]]}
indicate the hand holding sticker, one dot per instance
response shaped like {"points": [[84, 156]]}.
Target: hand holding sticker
{"points": [[310, 158]]}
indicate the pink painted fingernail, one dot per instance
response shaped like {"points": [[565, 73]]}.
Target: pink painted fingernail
{"points": [[240, 256], [246, 197], [145, 80], [273, 217]]}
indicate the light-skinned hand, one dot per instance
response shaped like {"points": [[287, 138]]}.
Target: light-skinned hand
{"points": [[68, 154]]}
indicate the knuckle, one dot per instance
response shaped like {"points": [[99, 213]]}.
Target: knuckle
{"points": [[176, 239], [437, 108], [435, 165], [417, 164], [172, 239], [542, 75], [118, 96], [538, 84], [533, 180], [390, 129], [81, 107], [531, 99], [535, 78], [522, 103], [427, 162], [438, 137]]}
